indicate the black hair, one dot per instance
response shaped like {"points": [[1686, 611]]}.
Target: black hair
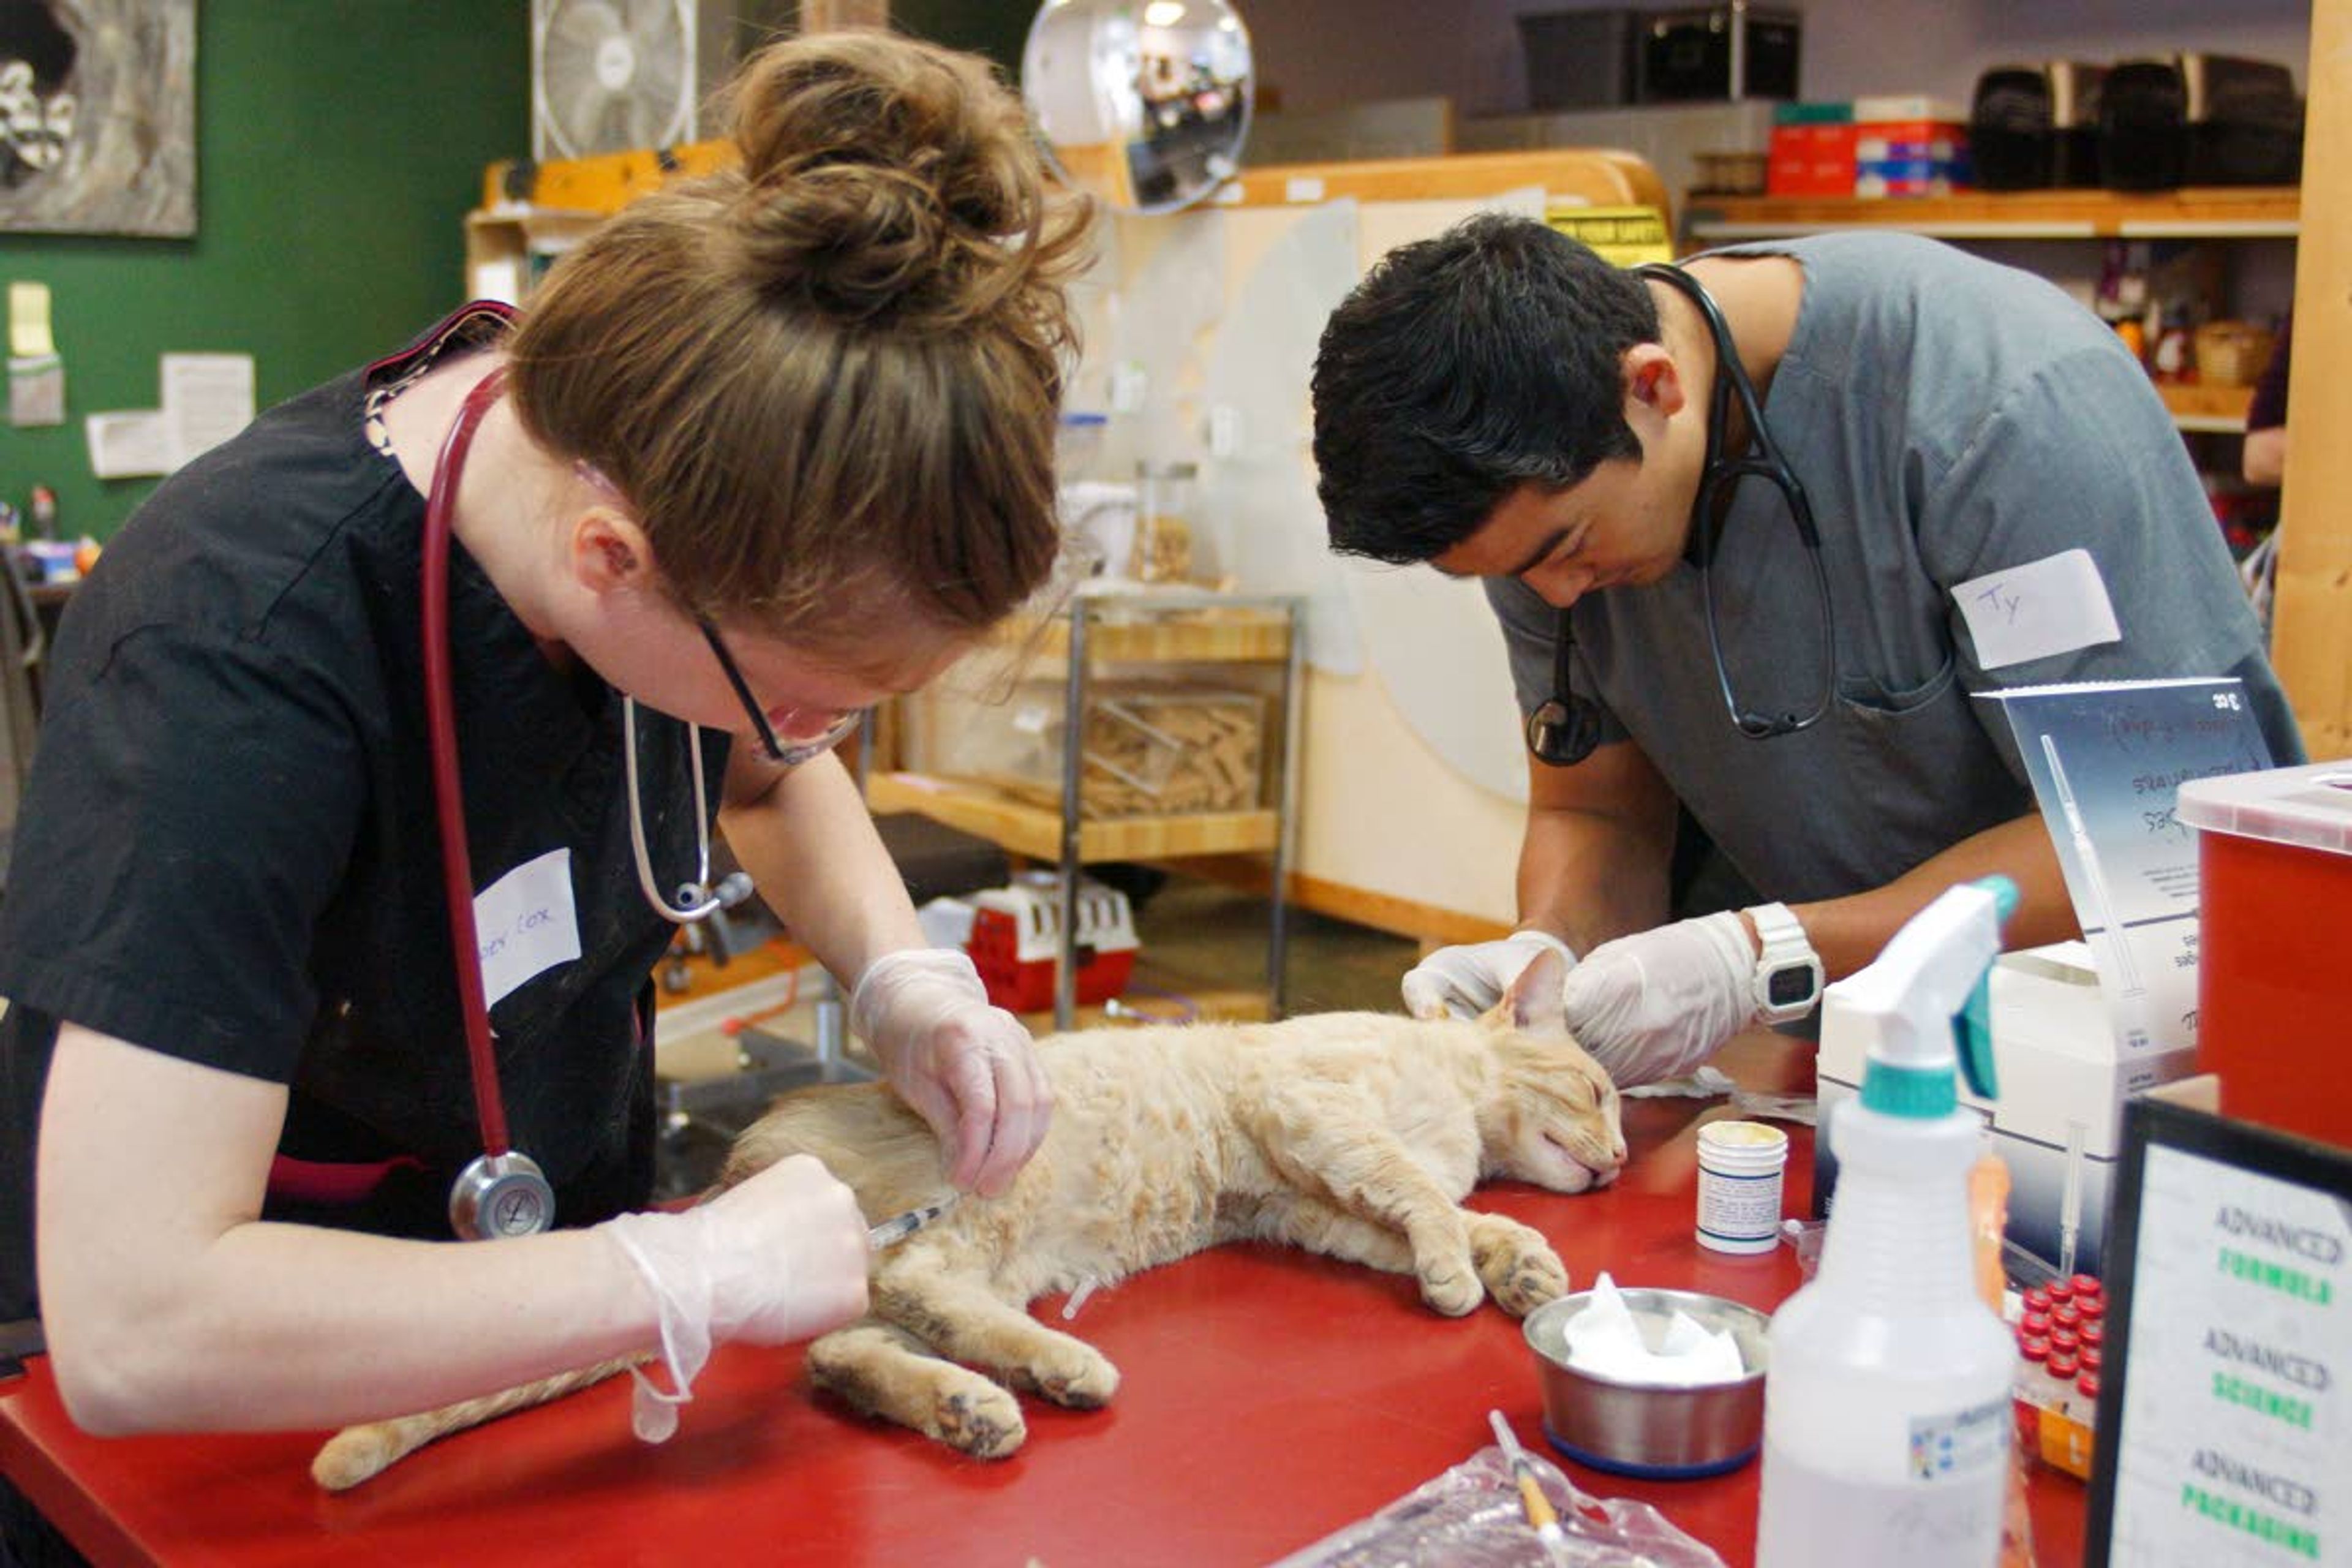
{"points": [[1464, 366]]}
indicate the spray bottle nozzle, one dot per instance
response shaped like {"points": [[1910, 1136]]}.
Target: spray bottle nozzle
{"points": [[1923, 1006]]}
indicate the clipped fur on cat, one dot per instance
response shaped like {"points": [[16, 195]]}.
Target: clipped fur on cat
{"points": [[1352, 1134]]}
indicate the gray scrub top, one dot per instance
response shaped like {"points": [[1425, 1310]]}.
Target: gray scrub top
{"points": [[1947, 418]]}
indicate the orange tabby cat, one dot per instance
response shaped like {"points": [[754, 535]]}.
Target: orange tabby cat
{"points": [[1352, 1134]]}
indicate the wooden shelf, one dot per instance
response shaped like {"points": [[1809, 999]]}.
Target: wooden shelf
{"points": [[1036, 831], [2214, 408], [2218, 211], [1211, 635]]}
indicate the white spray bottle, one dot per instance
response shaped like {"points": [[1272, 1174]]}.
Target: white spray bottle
{"points": [[1887, 1396]]}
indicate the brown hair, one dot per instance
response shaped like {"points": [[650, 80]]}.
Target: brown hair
{"points": [[828, 379]]}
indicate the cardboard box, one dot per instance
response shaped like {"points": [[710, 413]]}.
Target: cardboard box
{"points": [[1810, 158], [2061, 1080]]}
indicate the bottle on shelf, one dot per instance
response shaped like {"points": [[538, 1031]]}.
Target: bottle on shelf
{"points": [[1887, 1393]]}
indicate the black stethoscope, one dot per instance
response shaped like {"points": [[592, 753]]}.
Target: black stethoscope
{"points": [[502, 1192], [1566, 728]]}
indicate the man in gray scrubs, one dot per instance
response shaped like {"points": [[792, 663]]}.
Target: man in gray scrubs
{"points": [[1999, 500]]}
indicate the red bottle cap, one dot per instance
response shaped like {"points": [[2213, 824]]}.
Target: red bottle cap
{"points": [[2066, 1317], [2093, 1332], [2035, 1323], [2037, 1300], [2089, 1384], [2065, 1340], [2061, 1290], [2062, 1364], [2084, 1285], [2089, 1358], [2034, 1348], [2091, 1307]]}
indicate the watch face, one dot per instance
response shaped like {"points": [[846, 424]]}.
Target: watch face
{"points": [[1789, 986]]}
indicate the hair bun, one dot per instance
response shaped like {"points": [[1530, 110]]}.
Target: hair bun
{"points": [[882, 174]]}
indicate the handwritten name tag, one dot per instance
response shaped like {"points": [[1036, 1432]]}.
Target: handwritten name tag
{"points": [[527, 923], [2052, 606]]}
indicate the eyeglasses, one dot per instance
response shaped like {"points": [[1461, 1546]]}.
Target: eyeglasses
{"points": [[838, 724], [837, 728]]}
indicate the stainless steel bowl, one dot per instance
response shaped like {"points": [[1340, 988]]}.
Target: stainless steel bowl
{"points": [[1642, 1429]]}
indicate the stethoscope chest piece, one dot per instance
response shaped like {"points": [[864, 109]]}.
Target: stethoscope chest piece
{"points": [[500, 1195]]}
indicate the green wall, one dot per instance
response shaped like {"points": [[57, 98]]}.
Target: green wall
{"points": [[340, 146], [997, 28]]}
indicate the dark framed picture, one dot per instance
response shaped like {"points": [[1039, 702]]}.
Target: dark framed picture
{"points": [[98, 116], [2225, 1411]]}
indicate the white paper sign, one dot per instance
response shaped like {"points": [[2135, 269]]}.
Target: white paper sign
{"points": [[526, 923], [128, 444], [207, 398], [2052, 606], [2237, 1408]]}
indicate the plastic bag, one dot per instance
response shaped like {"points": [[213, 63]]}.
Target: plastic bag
{"points": [[1471, 1517]]}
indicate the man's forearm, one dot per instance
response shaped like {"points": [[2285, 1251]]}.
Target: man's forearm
{"points": [[1587, 879], [1849, 932]]}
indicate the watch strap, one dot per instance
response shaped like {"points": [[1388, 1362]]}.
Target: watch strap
{"points": [[1787, 979]]}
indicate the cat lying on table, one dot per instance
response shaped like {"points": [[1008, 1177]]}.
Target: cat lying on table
{"points": [[1352, 1134]]}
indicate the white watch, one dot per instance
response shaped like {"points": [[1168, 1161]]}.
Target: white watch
{"points": [[1787, 979]]}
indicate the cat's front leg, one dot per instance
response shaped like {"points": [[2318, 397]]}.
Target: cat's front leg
{"points": [[884, 1371], [1520, 1269], [964, 1320], [1320, 1135]]}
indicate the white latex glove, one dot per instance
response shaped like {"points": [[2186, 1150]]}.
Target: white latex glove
{"points": [[778, 1257], [966, 1066], [1658, 1003], [1463, 982]]}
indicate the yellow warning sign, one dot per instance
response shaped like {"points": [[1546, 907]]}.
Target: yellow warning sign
{"points": [[1625, 236]]}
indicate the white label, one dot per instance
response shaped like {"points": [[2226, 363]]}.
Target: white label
{"points": [[1129, 385], [1303, 188], [1224, 430], [526, 923], [1811, 1518], [2052, 606], [1741, 1209]]}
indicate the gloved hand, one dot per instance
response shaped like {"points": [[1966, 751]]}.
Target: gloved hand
{"points": [[1656, 1004], [778, 1258], [1463, 982], [967, 1067]]}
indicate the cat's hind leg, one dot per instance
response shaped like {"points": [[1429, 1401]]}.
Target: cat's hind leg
{"points": [[1519, 1268], [884, 1371]]}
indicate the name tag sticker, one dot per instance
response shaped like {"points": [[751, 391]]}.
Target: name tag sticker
{"points": [[527, 923], [2055, 605]]}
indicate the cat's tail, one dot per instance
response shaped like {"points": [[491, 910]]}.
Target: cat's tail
{"points": [[356, 1453]]}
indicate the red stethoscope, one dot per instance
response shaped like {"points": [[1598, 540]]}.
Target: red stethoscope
{"points": [[502, 1192]]}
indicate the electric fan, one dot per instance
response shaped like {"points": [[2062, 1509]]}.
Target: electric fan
{"points": [[608, 76]]}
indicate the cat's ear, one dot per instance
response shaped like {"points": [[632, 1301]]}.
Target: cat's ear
{"points": [[1532, 1004]]}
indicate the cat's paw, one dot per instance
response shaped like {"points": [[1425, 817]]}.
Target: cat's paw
{"points": [[1451, 1287], [1072, 1373], [1520, 1269], [984, 1422]]}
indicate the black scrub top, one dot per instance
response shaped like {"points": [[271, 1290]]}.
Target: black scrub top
{"points": [[228, 851]]}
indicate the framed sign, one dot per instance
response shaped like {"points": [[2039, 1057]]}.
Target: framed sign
{"points": [[2225, 1417], [98, 116]]}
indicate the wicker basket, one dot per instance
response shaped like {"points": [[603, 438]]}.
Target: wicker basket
{"points": [[2233, 353]]}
